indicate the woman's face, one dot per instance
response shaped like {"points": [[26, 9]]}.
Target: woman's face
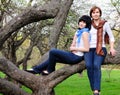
{"points": [[82, 24], [96, 14]]}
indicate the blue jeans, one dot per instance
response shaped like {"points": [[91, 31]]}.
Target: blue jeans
{"points": [[93, 64], [55, 56]]}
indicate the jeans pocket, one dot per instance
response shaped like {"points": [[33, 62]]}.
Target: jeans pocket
{"points": [[105, 51]]}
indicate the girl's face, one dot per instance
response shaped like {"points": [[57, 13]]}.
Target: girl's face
{"points": [[82, 24], [96, 14]]}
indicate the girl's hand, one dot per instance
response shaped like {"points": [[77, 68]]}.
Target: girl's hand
{"points": [[72, 49]]}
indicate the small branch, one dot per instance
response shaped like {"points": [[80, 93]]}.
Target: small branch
{"points": [[8, 88]]}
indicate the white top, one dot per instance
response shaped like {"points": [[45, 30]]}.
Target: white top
{"points": [[81, 44], [93, 34]]}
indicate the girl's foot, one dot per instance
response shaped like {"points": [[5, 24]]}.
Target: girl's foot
{"points": [[45, 72], [31, 71]]}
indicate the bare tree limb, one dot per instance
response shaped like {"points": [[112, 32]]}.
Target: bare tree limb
{"points": [[28, 16], [9, 88], [21, 76], [60, 75]]}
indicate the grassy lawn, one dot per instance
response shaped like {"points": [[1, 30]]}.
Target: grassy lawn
{"points": [[76, 85]]}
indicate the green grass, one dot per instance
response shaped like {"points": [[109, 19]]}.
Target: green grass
{"points": [[76, 85], [111, 86]]}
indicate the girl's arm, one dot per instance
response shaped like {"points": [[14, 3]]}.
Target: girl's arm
{"points": [[74, 40], [85, 48], [73, 43]]}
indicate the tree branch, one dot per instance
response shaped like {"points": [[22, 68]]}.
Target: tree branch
{"points": [[20, 76], [28, 16], [8, 88], [61, 74]]}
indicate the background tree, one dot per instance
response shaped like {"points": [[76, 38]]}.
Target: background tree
{"points": [[41, 25]]}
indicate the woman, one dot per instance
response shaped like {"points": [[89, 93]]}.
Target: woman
{"points": [[79, 45], [97, 53]]}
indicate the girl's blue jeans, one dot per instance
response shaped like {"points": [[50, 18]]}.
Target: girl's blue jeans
{"points": [[93, 63], [57, 56]]}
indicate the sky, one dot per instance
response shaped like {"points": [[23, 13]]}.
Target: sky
{"points": [[100, 3], [105, 6]]}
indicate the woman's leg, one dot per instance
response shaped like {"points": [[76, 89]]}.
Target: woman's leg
{"points": [[89, 58], [43, 66], [56, 55], [93, 65], [98, 60]]}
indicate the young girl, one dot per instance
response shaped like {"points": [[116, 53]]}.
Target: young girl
{"points": [[80, 44]]}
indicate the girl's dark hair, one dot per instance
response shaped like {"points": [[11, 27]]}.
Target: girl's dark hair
{"points": [[87, 20], [93, 9]]}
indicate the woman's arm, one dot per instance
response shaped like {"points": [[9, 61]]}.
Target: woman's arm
{"points": [[85, 48], [109, 32], [112, 50], [111, 39], [74, 40], [86, 42], [73, 43]]}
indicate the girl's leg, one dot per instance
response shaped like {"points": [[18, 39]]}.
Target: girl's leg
{"points": [[56, 55], [39, 68], [62, 57]]}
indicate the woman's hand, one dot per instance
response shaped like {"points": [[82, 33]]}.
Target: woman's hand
{"points": [[72, 49], [112, 52]]}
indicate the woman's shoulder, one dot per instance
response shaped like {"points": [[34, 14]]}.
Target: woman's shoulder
{"points": [[105, 21], [85, 30], [107, 24], [85, 33]]}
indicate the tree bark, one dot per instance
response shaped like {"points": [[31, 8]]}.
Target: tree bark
{"points": [[59, 23], [9, 88], [40, 85], [28, 16]]}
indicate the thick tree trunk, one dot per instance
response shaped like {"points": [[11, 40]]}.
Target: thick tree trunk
{"points": [[59, 23]]}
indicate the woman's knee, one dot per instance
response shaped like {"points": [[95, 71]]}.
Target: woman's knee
{"points": [[53, 51], [97, 67], [89, 66]]}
